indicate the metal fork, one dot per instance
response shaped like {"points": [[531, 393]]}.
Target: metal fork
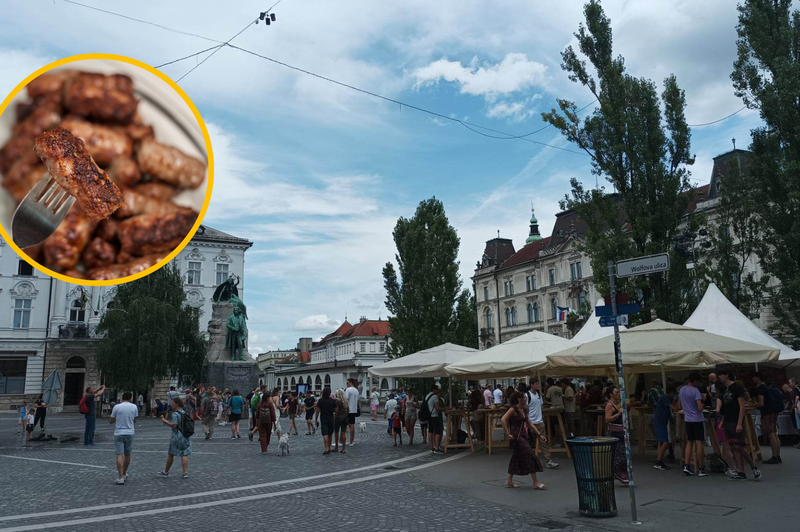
{"points": [[40, 212]]}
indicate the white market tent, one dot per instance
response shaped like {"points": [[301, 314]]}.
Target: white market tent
{"points": [[517, 357], [426, 363], [591, 330], [659, 345], [715, 314]]}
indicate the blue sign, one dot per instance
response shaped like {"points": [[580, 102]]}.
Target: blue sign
{"points": [[607, 321], [608, 310]]}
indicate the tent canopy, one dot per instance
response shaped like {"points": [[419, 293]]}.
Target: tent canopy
{"points": [[426, 363], [715, 314], [591, 330], [661, 344], [519, 356]]}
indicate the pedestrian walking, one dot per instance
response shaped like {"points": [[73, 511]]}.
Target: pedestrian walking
{"points": [[374, 402], [388, 410], [179, 444], [30, 422], [733, 412], [690, 400], [265, 419], [327, 409], [662, 412], [769, 415], [410, 414], [209, 409], [351, 394], [613, 416], [535, 402], [275, 399], [524, 461], [291, 408], [397, 425], [23, 414], [236, 404], [89, 410], [309, 404], [123, 417], [341, 421], [140, 403], [568, 395], [41, 413]]}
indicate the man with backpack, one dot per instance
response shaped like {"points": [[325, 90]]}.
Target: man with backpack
{"points": [[209, 409], [255, 398], [87, 407], [770, 404]]}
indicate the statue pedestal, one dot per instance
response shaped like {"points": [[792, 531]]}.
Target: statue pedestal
{"points": [[221, 371]]}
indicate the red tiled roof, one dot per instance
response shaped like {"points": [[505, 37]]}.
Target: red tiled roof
{"points": [[304, 357], [700, 194], [370, 328], [528, 253], [343, 329]]}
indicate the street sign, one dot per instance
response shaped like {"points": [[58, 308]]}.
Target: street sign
{"points": [[643, 265], [608, 310], [608, 321]]}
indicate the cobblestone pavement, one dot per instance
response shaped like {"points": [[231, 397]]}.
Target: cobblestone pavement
{"points": [[375, 486]]}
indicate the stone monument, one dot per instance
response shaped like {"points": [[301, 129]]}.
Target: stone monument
{"points": [[228, 363]]}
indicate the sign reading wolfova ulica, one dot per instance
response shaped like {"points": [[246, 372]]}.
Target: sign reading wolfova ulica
{"points": [[643, 265]]}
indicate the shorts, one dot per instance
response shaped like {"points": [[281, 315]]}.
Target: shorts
{"points": [[694, 431], [123, 444], [29, 427], [435, 425], [734, 438], [327, 426], [234, 417], [310, 414], [292, 416], [661, 433], [373, 407], [351, 419], [769, 424], [397, 430], [341, 425]]}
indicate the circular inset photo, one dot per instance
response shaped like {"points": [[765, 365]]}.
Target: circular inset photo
{"points": [[106, 169]]}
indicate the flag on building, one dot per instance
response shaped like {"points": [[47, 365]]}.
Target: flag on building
{"points": [[563, 312]]}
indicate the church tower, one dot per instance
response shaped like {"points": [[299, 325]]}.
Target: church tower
{"points": [[534, 234]]}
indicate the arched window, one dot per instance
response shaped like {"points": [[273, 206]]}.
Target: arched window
{"points": [[309, 381], [553, 309], [488, 318], [530, 313], [536, 316], [286, 383], [299, 381], [76, 362], [513, 315], [76, 312], [293, 382], [318, 382], [327, 380], [384, 384], [581, 300], [488, 345], [508, 317]]}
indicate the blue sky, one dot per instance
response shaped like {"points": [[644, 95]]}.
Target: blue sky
{"points": [[317, 175]]}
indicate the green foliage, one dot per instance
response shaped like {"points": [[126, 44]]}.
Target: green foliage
{"points": [[642, 152], [766, 76], [422, 301], [149, 334]]}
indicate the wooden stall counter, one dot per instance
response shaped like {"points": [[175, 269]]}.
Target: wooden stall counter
{"points": [[453, 420], [492, 417]]}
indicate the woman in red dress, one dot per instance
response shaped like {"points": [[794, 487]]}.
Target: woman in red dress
{"points": [[524, 460]]}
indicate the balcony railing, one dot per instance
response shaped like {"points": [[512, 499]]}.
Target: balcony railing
{"points": [[76, 331], [487, 332]]}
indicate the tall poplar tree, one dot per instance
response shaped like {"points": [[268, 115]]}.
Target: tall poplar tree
{"points": [[150, 334], [643, 153], [766, 76]]}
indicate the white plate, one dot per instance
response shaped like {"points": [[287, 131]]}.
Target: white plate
{"points": [[159, 106]]}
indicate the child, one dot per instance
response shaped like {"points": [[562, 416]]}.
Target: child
{"points": [[397, 426], [29, 422], [22, 415], [661, 417]]}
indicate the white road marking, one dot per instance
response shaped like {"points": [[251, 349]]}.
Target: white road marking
{"points": [[207, 493], [50, 461], [135, 451], [204, 505]]}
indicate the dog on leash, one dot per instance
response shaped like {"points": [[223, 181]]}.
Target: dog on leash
{"points": [[363, 427], [283, 443]]}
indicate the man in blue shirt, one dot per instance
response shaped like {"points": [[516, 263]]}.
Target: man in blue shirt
{"points": [[662, 408], [91, 415]]}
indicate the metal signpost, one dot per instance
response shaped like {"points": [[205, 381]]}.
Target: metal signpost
{"points": [[629, 268]]}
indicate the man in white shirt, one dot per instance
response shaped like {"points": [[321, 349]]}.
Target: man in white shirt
{"points": [[351, 394], [535, 402], [123, 416], [388, 410], [374, 402], [498, 394]]}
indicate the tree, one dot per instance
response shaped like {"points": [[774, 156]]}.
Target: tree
{"points": [[149, 333], [734, 235], [426, 303], [765, 76], [643, 153]]}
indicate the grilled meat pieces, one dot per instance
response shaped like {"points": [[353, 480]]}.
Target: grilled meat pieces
{"points": [[105, 98], [104, 143], [64, 247], [69, 163], [170, 165], [116, 271], [154, 233]]}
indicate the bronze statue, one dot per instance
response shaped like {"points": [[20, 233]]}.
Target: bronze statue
{"points": [[227, 289], [237, 333]]}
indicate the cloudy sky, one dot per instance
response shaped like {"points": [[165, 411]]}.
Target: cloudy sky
{"points": [[317, 174]]}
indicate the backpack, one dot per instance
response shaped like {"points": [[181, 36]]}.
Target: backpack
{"points": [[424, 413], [775, 397], [186, 425], [83, 407], [255, 400]]}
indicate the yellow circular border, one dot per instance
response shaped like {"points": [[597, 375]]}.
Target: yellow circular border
{"points": [[201, 123]]}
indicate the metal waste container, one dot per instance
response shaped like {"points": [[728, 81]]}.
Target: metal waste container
{"points": [[593, 458]]}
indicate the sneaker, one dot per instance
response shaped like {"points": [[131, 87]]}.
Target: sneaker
{"points": [[233, 437], [120, 481], [731, 473], [185, 475], [438, 451], [208, 436], [125, 476], [702, 472], [756, 473], [773, 460], [238, 435], [352, 443], [738, 476], [687, 471], [551, 465], [661, 466], [162, 474]]}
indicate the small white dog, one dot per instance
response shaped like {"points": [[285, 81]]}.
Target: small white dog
{"points": [[363, 426], [284, 443]]}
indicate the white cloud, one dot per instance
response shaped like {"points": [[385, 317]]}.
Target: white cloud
{"points": [[514, 73], [316, 322]]}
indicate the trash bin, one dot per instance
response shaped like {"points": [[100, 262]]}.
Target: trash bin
{"points": [[593, 458]]}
